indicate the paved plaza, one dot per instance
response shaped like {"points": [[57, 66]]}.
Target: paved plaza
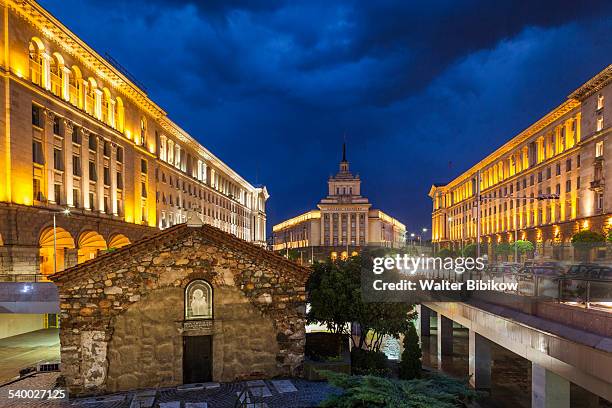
{"points": [[278, 393]]}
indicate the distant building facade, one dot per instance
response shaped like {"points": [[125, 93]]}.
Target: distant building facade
{"points": [[566, 153], [343, 223], [79, 133]]}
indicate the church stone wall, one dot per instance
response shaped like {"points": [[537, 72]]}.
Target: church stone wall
{"points": [[123, 314]]}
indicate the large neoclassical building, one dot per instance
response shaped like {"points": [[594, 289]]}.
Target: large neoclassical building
{"points": [[566, 154], [79, 133], [343, 222]]}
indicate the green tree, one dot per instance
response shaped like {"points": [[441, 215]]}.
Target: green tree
{"points": [[503, 248], [470, 250], [609, 236], [334, 294], [522, 247], [584, 241], [410, 365], [445, 253]]}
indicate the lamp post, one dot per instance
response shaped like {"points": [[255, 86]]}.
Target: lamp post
{"points": [[412, 238], [65, 212]]}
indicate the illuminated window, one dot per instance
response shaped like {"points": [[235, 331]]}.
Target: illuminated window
{"points": [[37, 116], [600, 101], [600, 123], [143, 130], [37, 152], [599, 149]]}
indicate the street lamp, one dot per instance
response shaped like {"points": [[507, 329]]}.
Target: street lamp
{"points": [[66, 212], [412, 236]]}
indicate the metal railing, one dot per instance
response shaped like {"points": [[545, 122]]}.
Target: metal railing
{"points": [[9, 277]]}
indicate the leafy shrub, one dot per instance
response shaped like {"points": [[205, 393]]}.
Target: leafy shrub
{"points": [[410, 365], [369, 362], [436, 391]]}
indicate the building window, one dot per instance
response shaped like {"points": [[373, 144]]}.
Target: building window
{"points": [[106, 176], [143, 166], [93, 175], [58, 162], [37, 153], [558, 169], [119, 154], [568, 186], [578, 183], [600, 123], [76, 135], [76, 165], [599, 149], [548, 173], [600, 102], [75, 197], [143, 130], [56, 125], [37, 193], [119, 181], [599, 201], [143, 186], [93, 142], [37, 116], [578, 161], [92, 200], [57, 193], [106, 148]]}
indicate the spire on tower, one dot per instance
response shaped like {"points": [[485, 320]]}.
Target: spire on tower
{"points": [[344, 152]]}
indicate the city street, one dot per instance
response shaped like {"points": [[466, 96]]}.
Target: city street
{"points": [[27, 349]]}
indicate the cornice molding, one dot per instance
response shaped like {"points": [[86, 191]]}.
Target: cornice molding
{"points": [[593, 85], [55, 31]]}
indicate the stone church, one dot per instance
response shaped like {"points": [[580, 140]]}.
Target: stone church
{"points": [[188, 305]]}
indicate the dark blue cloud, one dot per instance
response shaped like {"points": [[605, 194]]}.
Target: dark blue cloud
{"points": [[422, 90]]}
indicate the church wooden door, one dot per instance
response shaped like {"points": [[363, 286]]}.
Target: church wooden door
{"points": [[197, 359]]}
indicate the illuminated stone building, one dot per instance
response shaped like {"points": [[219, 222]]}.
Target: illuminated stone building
{"points": [[565, 153], [343, 223], [78, 132]]}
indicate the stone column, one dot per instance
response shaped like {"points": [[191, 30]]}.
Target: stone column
{"points": [[49, 140], [71, 257], [424, 320], [113, 178], [548, 390], [85, 169], [68, 171], [445, 336], [100, 168], [479, 361]]}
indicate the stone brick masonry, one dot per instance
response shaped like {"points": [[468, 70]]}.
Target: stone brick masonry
{"points": [[122, 314]]}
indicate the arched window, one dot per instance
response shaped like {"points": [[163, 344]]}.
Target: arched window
{"points": [[198, 300], [75, 87], [57, 72], [108, 111], [143, 130], [119, 115], [90, 96], [36, 50]]}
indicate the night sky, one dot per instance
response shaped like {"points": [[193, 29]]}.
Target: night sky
{"points": [[421, 90]]}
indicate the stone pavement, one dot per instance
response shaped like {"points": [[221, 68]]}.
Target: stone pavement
{"points": [[279, 393]]}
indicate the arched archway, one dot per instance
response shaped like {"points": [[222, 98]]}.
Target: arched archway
{"points": [[90, 244], [63, 241], [118, 241], [108, 110]]}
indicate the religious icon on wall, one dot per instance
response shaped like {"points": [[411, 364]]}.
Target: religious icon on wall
{"points": [[198, 300]]}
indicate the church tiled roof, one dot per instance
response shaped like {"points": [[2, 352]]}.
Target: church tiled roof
{"points": [[179, 232]]}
